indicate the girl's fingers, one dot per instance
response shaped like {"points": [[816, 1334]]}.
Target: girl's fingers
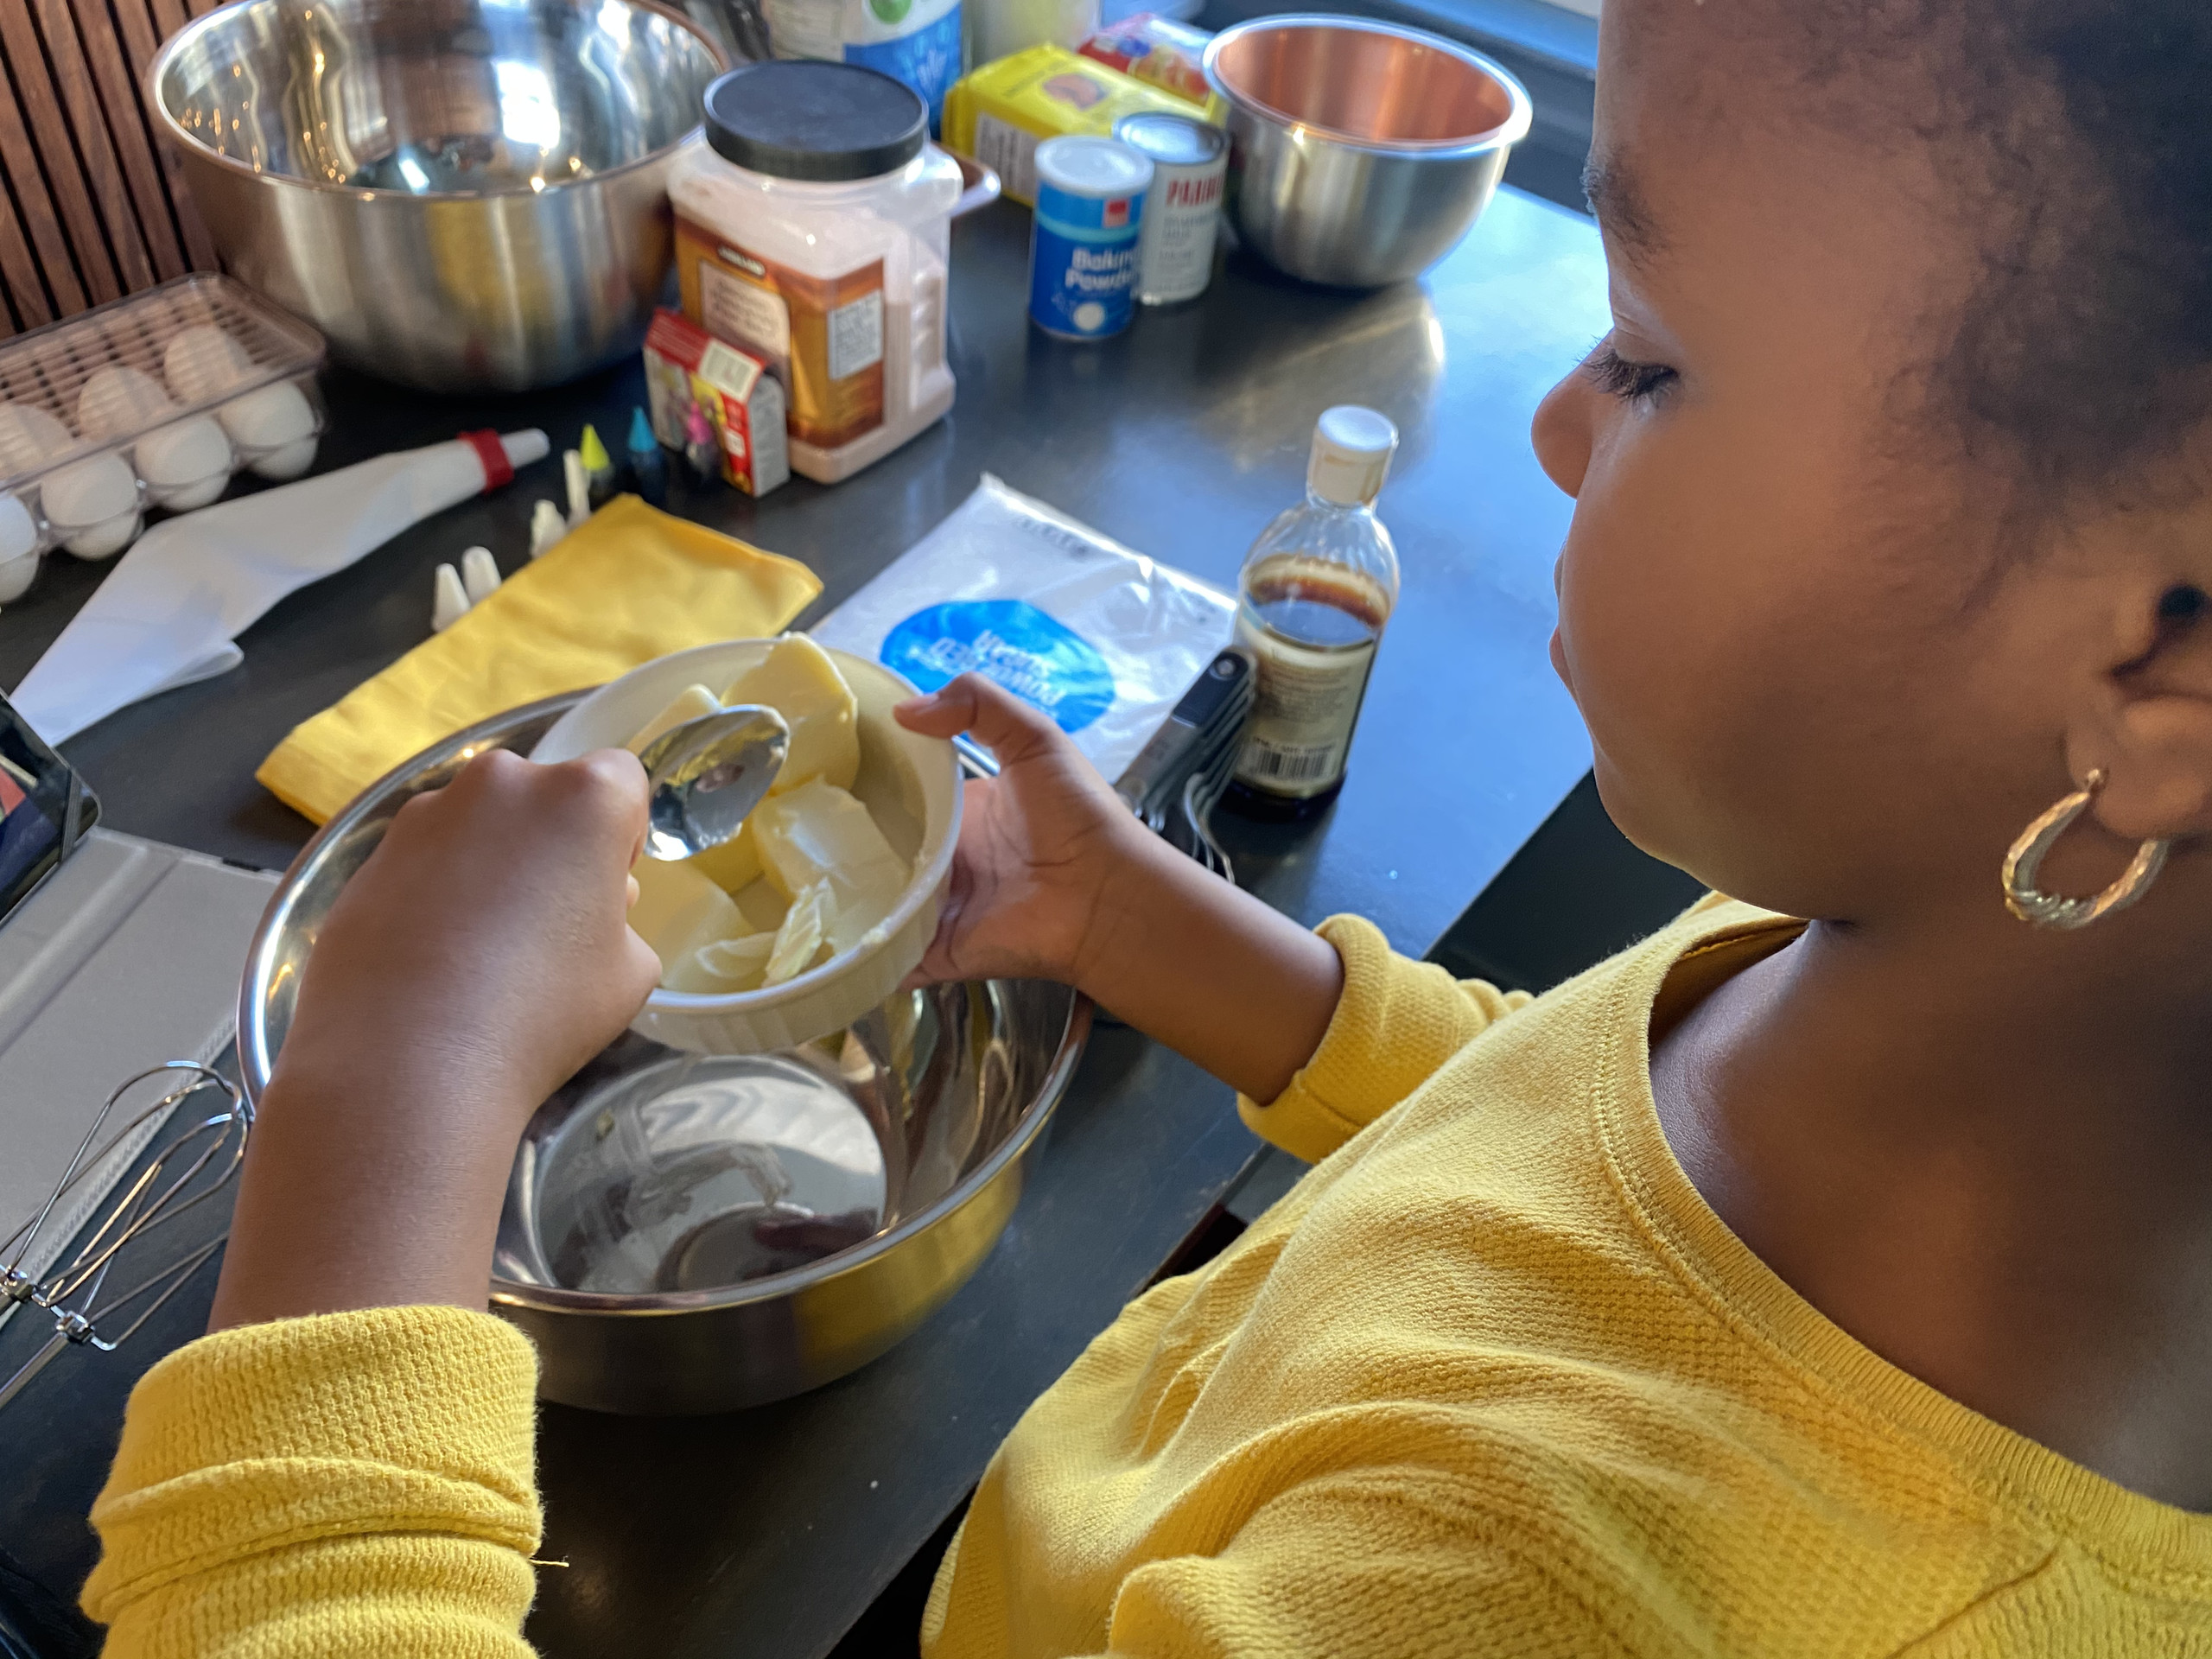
{"points": [[943, 713], [1001, 721]]}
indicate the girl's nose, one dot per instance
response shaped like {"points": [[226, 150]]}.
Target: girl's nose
{"points": [[1560, 431]]}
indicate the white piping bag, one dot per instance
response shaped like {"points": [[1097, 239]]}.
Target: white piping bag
{"points": [[169, 612]]}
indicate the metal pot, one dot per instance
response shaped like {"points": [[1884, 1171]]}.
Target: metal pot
{"points": [[687, 1233], [463, 195], [1360, 152]]}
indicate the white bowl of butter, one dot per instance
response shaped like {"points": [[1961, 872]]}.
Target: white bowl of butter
{"points": [[826, 899]]}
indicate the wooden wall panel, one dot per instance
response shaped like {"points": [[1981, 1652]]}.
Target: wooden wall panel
{"points": [[92, 205], [144, 30], [114, 86], [58, 289]]}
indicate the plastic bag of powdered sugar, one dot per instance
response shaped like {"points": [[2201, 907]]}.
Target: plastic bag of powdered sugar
{"points": [[1102, 638]]}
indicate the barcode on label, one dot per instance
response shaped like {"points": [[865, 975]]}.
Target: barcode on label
{"points": [[1263, 760], [857, 335], [1011, 153]]}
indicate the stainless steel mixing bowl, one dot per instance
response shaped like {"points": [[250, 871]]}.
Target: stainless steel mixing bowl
{"points": [[1360, 152], [688, 1233], [461, 194]]}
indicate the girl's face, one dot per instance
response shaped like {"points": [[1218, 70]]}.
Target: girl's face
{"points": [[1783, 610]]}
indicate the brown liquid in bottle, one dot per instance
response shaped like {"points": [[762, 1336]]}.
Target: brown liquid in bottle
{"points": [[1317, 611], [1297, 616]]}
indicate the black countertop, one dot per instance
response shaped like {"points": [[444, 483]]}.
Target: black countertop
{"points": [[769, 1531]]}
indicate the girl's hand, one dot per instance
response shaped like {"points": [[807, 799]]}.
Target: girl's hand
{"points": [[486, 941], [473, 963], [1055, 879], [1041, 845]]}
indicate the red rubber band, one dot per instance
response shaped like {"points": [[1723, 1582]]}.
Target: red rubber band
{"points": [[497, 469]]}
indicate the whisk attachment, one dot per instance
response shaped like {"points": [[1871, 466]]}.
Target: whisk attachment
{"points": [[190, 1169]]}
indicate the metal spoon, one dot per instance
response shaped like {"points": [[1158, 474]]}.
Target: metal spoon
{"points": [[707, 774]]}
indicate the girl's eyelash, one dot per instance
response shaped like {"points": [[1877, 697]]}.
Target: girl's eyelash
{"points": [[1614, 374]]}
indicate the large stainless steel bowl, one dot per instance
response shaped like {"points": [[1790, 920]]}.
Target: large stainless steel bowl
{"points": [[1360, 152], [461, 194], [687, 1233]]}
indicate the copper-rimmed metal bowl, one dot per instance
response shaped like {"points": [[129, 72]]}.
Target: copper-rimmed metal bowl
{"points": [[1360, 152]]}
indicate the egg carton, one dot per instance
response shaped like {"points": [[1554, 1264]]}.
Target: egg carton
{"points": [[152, 401]]}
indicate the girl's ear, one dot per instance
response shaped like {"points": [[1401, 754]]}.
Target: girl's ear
{"points": [[2145, 720]]}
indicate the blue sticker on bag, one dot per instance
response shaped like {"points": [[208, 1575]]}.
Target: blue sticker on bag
{"points": [[1039, 659]]}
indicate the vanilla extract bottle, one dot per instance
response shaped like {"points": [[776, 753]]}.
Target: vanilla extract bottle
{"points": [[1313, 595]]}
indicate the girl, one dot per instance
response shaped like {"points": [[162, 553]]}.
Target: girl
{"points": [[1827, 1287]]}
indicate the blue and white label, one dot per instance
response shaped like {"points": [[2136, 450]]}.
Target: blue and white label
{"points": [[915, 40], [928, 59], [1082, 261], [1012, 643]]}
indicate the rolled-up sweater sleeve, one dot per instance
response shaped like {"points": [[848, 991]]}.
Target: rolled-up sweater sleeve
{"points": [[353, 1483], [1396, 1022]]}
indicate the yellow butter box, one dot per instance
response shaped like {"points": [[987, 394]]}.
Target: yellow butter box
{"points": [[1002, 112]]}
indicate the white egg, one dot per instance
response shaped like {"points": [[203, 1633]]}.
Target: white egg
{"points": [[289, 462], [106, 538], [18, 539], [186, 465], [16, 576], [118, 402], [204, 362], [29, 437], [88, 493], [277, 420], [184, 498]]}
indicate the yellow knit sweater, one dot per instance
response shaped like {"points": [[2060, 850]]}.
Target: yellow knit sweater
{"points": [[1492, 1381]]}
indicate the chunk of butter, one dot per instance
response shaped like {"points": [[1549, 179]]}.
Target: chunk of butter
{"points": [[690, 703], [799, 940], [762, 905], [818, 832], [725, 966], [679, 910], [735, 865], [860, 913], [800, 681]]}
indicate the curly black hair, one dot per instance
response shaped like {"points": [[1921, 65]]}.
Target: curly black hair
{"points": [[2086, 352]]}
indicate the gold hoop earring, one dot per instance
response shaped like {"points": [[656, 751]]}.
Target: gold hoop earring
{"points": [[2040, 909]]}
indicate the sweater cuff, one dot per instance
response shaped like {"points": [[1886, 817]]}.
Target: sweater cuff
{"points": [[1326, 1102], [414, 1419], [1396, 1023]]}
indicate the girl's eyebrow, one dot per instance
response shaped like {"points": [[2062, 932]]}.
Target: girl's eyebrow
{"points": [[1621, 210]]}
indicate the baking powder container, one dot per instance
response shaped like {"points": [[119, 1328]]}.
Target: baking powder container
{"points": [[1083, 250], [1182, 211]]}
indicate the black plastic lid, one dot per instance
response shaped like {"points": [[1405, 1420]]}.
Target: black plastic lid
{"points": [[823, 122]]}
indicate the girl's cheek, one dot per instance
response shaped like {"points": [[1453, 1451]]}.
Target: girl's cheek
{"points": [[1632, 611]]}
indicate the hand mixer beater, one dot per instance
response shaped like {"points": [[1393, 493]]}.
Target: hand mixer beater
{"points": [[191, 1168]]}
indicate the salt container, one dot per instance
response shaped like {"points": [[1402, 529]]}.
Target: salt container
{"points": [[814, 230]]}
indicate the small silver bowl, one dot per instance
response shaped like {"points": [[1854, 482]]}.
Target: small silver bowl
{"points": [[688, 1233], [463, 195], [1360, 152]]}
